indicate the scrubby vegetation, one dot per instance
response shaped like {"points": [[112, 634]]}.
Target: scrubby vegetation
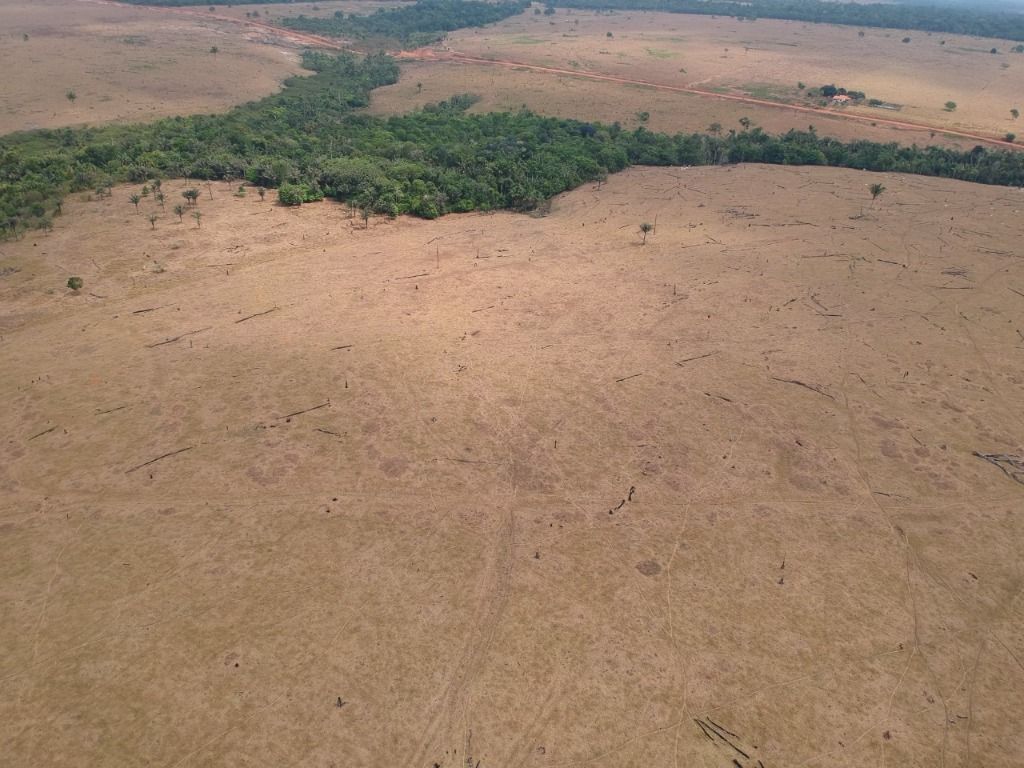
{"points": [[424, 22], [932, 18], [310, 141]]}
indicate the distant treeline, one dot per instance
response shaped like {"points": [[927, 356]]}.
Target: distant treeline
{"points": [[311, 141], [423, 22], [962, 20]]}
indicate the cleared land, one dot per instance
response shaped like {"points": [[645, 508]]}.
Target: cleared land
{"points": [[275, 11], [281, 490], [127, 63], [766, 59]]}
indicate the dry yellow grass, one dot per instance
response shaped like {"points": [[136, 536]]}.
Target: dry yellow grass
{"points": [[768, 58], [126, 64], [518, 490]]}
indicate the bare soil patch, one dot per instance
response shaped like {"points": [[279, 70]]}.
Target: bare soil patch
{"points": [[519, 490]]}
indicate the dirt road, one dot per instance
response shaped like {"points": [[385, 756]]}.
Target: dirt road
{"points": [[429, 54]]}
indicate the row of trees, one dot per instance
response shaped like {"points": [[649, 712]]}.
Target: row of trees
{"points": [[964, 20], [418, 24], [310, 141]]}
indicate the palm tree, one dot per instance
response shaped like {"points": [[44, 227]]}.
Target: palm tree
{"points": [[645, 228], [180, 211], [135, 199], [875, 190], [152, 220]]}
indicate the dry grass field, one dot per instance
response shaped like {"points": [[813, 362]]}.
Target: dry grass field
{"points": [[127, 64], [426, 82], [275, 11], [507, 491], [766, 59]]}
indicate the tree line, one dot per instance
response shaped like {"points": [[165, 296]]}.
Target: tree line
{"points": [[419, 24], [963, 20], [312, 141]]}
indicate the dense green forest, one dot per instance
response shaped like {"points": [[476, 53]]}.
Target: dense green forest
{"points": [[312, 141], [424, 22], [962, 20]]}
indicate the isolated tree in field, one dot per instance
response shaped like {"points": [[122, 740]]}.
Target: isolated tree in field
{"points": [[1014, 113], [179, 211], [419, 87], [135, 200], [75, 284], [875, 190], [157, 184], [365, 213], [152, 220], [160, 198], [645, 229], [1010, 137], [191, 196], [198, 216], [71, 96], [262, 191], [745, 122], [214, 50], [951, 106], [715, 128]]}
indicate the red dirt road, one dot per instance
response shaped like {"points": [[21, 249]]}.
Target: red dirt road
{"points": [[428, 54]]}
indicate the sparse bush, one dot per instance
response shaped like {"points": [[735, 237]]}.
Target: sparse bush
{"points": [[297, 194], [75, 284], [950, 106]]}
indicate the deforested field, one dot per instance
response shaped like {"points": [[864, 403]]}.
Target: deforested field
{"points": [[512, 490]]}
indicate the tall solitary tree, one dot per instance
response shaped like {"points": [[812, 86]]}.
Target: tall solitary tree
{"points": [[645, 229]]}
